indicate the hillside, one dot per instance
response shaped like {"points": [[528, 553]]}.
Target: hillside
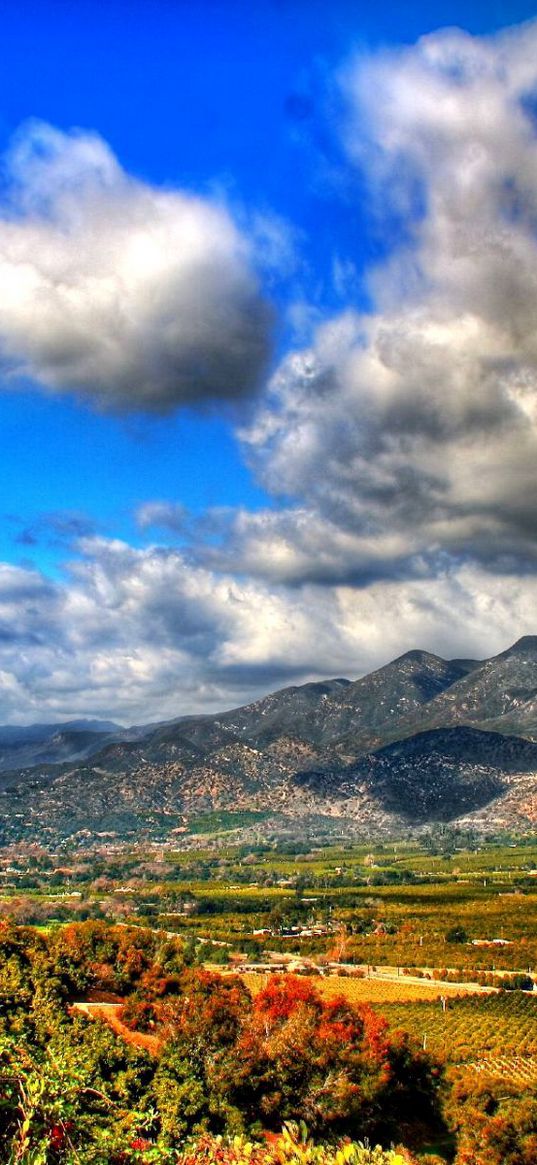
{"points": [[421, 739], [499, 693]]}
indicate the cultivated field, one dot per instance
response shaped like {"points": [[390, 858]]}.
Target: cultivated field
{"points": [[374, 991], [491, 1033]]}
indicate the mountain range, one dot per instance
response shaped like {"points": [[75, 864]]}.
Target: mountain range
{"points": [[422, 739]]}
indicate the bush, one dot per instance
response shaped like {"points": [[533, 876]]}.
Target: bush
{"points": [[456, 934], [292, 1147]]}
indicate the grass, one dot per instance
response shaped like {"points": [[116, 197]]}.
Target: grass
{"points": [[222, 821]]}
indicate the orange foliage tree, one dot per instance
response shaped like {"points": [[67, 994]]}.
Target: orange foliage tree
{"points": [[289, 1055]]}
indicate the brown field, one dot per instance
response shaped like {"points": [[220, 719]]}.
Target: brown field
{"points": [[368, 990]]}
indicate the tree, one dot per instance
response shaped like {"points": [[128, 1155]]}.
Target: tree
{"points": [[456, 934], [326, 1062]]}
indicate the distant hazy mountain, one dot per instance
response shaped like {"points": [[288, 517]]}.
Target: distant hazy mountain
{"points": [[366, 709], [421, 739], [22, 745]]}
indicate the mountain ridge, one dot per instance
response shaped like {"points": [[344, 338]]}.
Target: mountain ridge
{"points": [[420, 739]]}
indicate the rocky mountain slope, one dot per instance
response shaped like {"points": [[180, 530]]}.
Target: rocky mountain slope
{"points": [[422, 739], [500, 694]]}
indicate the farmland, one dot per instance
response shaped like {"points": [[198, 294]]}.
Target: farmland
{"points": [[453, 914], [433, 939], [489, 1032], [471, 1028], [380, 991]]}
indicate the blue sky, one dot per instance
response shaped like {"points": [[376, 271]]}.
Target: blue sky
{"points": [[218, 96], [240, 245]]}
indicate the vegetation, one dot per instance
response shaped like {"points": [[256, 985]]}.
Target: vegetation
{"points": [[73, 1089], [472, 1027], [380, 1035], [293, 1147]]}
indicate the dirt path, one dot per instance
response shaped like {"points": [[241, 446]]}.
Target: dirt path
{"points": [[109, 1013]]}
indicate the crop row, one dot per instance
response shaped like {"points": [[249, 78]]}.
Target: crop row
{"points": [[520, 1070], [471, 1028], [460, 1028]]}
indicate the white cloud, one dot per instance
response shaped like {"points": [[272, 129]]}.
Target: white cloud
{"points": [[170, 515], [133, 297], [410, 433], [406, 437], [141, 634]]}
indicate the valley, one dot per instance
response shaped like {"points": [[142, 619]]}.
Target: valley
{"points": [[135, 968], [346, 861]]}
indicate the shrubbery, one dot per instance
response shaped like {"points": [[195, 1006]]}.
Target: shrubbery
{"points": [[228, 1064], [292, 1147], [230, 1070]]}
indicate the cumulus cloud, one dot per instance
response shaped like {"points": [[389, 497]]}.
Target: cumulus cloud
{"points": [[143, 634], [133, 297], [288, 546], [410, 433], [400, 444]]}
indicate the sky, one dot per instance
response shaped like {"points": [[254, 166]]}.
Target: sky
{"points": [[268, 346]]}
